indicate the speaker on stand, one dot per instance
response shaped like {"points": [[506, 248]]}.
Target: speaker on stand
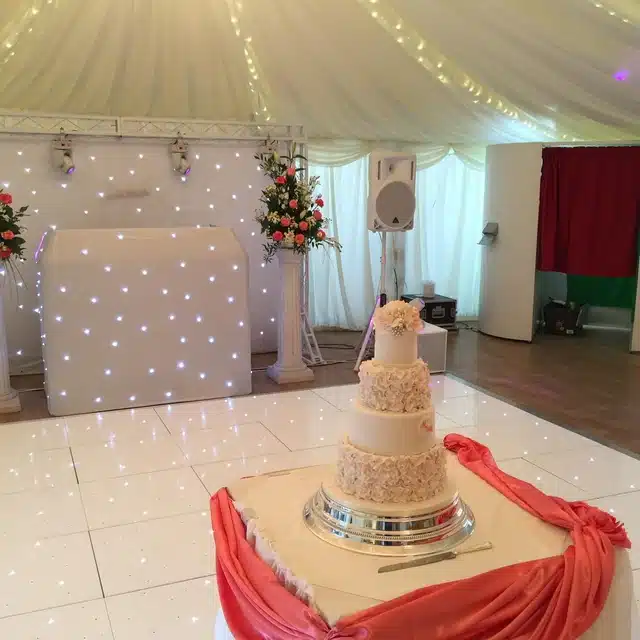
{"points": [[391, 208]]}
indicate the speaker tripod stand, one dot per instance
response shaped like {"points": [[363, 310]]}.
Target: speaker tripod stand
{"points": [[367, 340]]}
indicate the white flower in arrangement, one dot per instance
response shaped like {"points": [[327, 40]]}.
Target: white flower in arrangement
{"points": [[289, 236], [397, 317]]}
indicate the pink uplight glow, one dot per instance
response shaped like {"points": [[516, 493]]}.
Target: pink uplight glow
{"points": [[621, 75]]}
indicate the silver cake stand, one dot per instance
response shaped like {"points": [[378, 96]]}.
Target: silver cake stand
{"points": [[427, 532]]}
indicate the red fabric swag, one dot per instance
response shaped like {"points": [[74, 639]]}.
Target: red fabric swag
{"points": [[555, 598], [589, 206]]}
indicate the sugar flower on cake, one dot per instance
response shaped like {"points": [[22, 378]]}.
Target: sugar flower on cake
{"points": [[291, 216], [397, 317]]}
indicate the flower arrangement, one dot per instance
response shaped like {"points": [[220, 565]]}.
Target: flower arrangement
{"points": [[11, 240], [292, 214], [397, 317]]}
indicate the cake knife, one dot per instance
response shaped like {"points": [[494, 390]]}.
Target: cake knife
{"points": [[437, 557]]}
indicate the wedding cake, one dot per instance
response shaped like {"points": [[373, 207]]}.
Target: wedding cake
{"points": [[390, 453]]}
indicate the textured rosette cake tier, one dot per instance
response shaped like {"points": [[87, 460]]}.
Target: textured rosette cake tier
{"points": [[390, 453]]}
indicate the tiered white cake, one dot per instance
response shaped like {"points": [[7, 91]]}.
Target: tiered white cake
{"points": [[390, 453]]}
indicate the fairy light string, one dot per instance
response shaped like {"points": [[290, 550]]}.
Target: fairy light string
{"points": [[12, 34], [621, 16], [452, 76], [257, 86]]}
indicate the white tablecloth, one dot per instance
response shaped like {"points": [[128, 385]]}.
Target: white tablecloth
{"points": [[345, 582]]}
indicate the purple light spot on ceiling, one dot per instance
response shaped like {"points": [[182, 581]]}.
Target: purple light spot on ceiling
{"points": [[621, 75]]}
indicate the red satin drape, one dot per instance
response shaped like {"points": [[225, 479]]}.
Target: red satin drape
{"points": [[556, 598], [589, 208]]}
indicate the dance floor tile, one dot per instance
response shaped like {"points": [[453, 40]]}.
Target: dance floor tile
{"points": [[625, 508], [443, 388], [33, 436], [303, 429], [85, 621], [21, 471], [228, 443], [184, 611], [480, 410], [146, 496], [520, 443], [445, 426], [598, 470], [126, 457], [546, 482], [340, 397], [222, 474], [153, 553], [47, 573], [41, 513], [189, 423], [114, 426], [205, 406], [255, 406]]}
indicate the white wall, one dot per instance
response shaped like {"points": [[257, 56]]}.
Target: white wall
{"points": [[223, 190], [512, 195]]}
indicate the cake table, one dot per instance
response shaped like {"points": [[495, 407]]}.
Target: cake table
{"points": [[343, 582]]}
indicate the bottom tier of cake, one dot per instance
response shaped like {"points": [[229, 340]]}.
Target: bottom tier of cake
{"points": [[391, 479], [388, 529]]}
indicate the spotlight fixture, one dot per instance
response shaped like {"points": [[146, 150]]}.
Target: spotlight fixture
{"points": [[63, 153], [180, 157]]}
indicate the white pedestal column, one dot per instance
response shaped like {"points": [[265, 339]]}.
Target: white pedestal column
{"points": [[289, 367], [9, 399]]}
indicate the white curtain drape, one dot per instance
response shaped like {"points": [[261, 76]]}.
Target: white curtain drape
{"points": [[343, 286], [337, 153], [442, 247]]}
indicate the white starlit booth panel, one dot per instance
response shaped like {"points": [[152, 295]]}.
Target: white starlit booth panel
{"points": [[131, 183], [143, 317]]}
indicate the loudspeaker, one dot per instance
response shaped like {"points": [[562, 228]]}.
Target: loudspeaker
{"points": [[392, 188]]}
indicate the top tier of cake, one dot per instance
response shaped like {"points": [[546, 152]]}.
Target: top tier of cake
{"points": [[396, 341]]}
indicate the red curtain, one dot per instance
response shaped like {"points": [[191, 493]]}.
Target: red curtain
{"points": [[589, 206]]}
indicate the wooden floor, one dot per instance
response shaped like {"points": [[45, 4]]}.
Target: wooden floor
{"points": [[589, 384]]}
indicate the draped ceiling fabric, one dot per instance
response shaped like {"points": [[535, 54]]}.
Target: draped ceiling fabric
{"points": [[460, 72]]}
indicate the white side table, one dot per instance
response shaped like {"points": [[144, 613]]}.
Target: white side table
{"points": [[432, 347]]}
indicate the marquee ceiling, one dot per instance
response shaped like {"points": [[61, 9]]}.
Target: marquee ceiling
{"points": [[414, 70]]}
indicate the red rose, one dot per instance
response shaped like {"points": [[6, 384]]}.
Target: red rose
{"points": [[291, 171], [281, 180], [303, 226], [6, 198], [321, 235], [7, 235], [320, 202], [293, 204], [277, 236], [317, 214], [285, 222], [5, 253], [299, 239]]}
